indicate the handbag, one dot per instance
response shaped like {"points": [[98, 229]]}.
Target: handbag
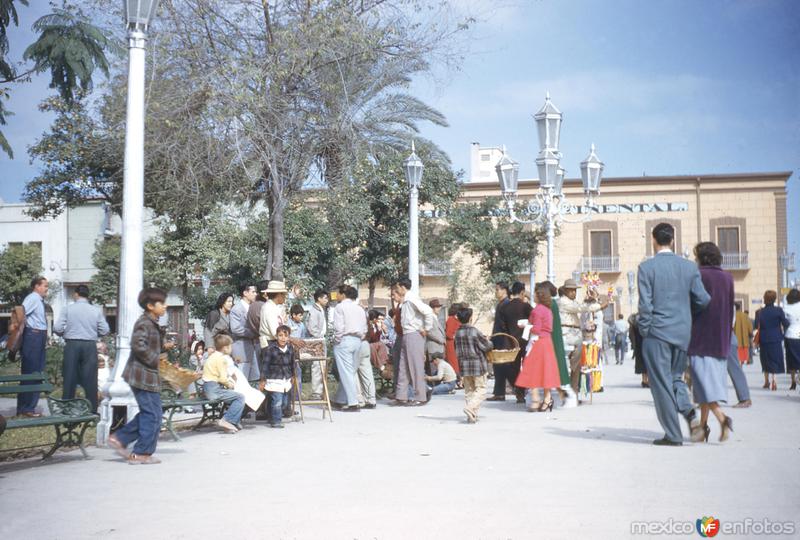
{"points": [[16, 329]]}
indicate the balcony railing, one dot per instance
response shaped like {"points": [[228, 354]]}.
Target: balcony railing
{"points": [[600, 264], [435, 268], [735, 261]]}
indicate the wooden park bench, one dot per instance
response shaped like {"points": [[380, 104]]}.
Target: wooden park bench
{"points": [[70, 417], [171, 402]]}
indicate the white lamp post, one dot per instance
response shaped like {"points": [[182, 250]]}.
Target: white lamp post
{"points": [[413, 168], [549, 205], [118, 394], [631, 289]]}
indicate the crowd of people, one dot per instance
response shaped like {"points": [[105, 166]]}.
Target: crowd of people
{"points": [[688, 333]]}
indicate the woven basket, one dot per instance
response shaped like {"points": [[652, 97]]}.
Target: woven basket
{"points": [[178, 377], [503, 356]]}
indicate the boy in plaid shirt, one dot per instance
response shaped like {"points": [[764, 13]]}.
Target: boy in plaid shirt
{"points": [[471, 348]]}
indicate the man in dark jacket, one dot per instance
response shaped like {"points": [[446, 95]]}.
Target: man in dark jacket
{"points": [[502, 373], [509, 314]]}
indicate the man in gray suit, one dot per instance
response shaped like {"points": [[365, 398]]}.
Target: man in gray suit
{"points": [[670, 290]]}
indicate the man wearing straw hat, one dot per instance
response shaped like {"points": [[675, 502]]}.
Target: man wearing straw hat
{"points": [[273, 313], [570, 310]]}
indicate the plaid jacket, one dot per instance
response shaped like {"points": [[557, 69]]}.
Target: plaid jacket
{"points": [[471, 348], [276, 364], [141, 370]]}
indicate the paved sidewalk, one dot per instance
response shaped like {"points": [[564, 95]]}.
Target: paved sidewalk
{"points": [[418, 473]]}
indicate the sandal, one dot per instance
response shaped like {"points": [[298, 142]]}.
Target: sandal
{"points": [[118, 447], [534, 406], [135, 459]]}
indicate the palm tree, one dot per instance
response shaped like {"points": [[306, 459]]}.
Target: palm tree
{"points": [[371, 114], [68, 46]]}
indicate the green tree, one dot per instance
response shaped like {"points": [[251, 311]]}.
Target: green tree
{"points": [[283, 76], [503, 249], [105, 282], [380, 188], [68, 45], [18, 265]]}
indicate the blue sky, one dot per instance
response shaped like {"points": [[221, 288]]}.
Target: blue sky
{"points": [[661, 87]]}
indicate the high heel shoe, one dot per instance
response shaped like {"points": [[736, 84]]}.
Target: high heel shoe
{"points": [[727, 428], [774, 386], [546, 406], [766, 386], [700, 433]]}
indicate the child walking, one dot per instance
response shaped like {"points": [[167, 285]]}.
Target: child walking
{"points": [[471, 348], [141, 373], [277, 364]]}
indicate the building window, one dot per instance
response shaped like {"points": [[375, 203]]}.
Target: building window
{"points": [[600, 250], [485, 157], [600, 243], [728, 239], [730, 234]]}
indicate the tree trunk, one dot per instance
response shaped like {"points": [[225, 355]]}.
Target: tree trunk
{"points": [[274, 268], [184, 341], [371, 300]]}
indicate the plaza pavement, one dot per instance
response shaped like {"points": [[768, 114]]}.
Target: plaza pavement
{"points": [[418, 473]]}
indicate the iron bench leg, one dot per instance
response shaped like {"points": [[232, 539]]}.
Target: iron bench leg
{"points": [[169, 425]]}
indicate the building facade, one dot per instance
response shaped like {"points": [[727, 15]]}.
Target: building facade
{"points": [[67, 245], [745, 214]]}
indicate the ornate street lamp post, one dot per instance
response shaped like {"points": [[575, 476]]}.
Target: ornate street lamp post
{"points": [[549, 206], [138, 14], [413, 168]]}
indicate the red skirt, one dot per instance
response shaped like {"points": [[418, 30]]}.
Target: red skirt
{"points": [[540, 368]]}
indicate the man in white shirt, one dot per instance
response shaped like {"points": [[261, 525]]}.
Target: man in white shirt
{"points": [[349, 329], [570, 311], [273, 313], [416, 318], [34, 341], [620, 338], [444, 377]]}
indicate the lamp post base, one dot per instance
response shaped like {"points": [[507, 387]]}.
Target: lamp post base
{"points": [[118, 397]]}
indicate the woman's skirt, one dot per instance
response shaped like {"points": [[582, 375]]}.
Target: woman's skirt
{"points": [[792, 354], [709, 379], [540, 367], [772, 357]]}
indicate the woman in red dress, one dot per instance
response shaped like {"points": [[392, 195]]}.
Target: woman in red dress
{"points": [[450, 327], [540, 367]]}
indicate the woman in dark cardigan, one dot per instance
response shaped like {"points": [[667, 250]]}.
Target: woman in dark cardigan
{"points": [[771, 323], [711, 342]]}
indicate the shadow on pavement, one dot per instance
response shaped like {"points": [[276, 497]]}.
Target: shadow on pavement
{"points": [[36, 462], [625, 435], [462, 419]]}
